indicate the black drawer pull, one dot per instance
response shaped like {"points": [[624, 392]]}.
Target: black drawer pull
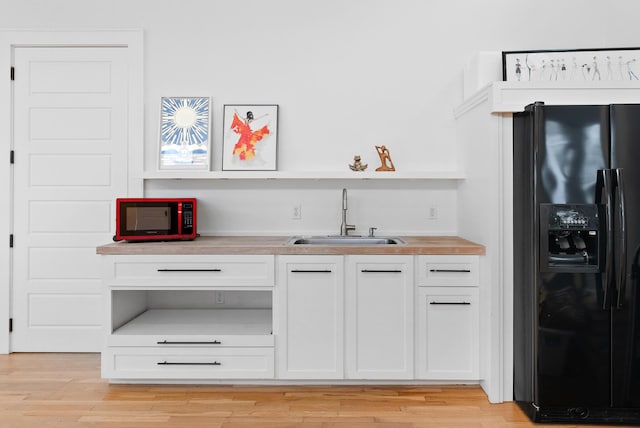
{"points": [[451, 270], [166, 363], [380, 271], [310, 271], [449, 303], [166, 342], [189, 270]]}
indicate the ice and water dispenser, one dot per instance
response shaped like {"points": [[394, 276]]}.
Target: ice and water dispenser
{"points": [[569, 238]]}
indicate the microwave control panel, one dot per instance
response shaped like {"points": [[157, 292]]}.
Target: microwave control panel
{"points": [[187, 217]]}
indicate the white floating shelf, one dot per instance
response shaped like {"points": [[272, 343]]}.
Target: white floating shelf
{"points": [[304, 175]]}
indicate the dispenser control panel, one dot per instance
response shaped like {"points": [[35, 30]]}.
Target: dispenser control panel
{"points": [[573, 217]]}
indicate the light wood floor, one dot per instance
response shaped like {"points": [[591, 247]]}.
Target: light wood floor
{"points": [[66, 391]]}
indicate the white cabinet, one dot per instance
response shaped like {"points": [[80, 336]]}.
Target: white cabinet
{"points": [[189, 317], [448, 318], [314, 317], [310, 298], [379, 317]]}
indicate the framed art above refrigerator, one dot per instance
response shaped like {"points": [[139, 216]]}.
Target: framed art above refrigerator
{"points": [[571, 65]]}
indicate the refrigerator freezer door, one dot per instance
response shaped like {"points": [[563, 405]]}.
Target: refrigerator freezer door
{"points": [[561, 333], [573, 342]]}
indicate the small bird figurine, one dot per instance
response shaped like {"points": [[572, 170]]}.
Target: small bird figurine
{"points": [[357, 164]]}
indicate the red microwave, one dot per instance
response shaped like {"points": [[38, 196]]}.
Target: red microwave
{"points": [[155, 219]]}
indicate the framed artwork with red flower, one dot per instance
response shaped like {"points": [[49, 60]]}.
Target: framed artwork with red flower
{"points": [[250, 139]]}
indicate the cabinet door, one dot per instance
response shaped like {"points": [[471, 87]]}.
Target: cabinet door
{"points": [[448, 331], [379, 308], [311, 307]]}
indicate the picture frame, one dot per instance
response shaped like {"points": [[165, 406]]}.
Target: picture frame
{"points": [[250, 137], [615, 64], [185, 133]]}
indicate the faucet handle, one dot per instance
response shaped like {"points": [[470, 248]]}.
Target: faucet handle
{"points": [[371, 231]]}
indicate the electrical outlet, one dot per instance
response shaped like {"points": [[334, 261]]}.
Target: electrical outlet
{"points": [[219, 297], [433, 212], [296, 212]]}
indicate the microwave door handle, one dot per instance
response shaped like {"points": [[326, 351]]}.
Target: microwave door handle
{"points": [[179, 218]]}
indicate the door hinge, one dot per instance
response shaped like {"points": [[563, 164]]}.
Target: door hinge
{"points": [[13, 73], [12, 157], [11, 241], [10, 325]]}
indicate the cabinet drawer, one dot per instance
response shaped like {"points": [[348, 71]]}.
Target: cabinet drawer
{"points": [[452, 271], [191, 270], [188, 363]]}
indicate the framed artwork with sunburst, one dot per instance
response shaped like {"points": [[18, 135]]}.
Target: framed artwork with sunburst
{"points": [[185, 137]]}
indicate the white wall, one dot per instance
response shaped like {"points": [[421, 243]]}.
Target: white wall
{"points": [[347, 74], [259, 207]]}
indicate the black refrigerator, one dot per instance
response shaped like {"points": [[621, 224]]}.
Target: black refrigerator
{"points": [[576, 212]]}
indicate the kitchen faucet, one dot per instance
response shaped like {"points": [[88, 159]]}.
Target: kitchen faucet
{"points": [[344, 227]]}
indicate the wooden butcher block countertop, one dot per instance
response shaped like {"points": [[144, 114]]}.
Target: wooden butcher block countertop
{"points": [[280, 245]]}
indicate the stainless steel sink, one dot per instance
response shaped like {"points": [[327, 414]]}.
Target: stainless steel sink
{"points": [[345, 240]]}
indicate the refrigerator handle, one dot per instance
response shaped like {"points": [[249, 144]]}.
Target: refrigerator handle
{"points": [[621, 279], [604, 183]]}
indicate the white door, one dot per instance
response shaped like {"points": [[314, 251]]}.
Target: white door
{"points": [[70, 142]]}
